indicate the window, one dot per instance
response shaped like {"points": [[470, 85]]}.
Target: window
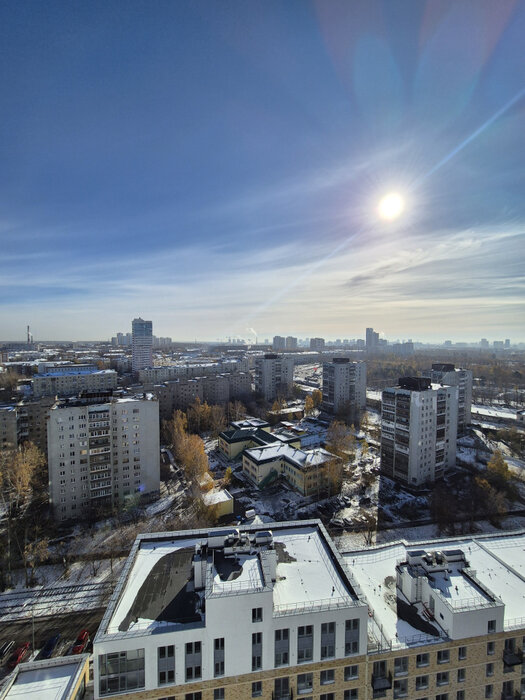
{"points": [[281, 689], [460, 695], [327, 640], [442, 678], [257, 614], [256, 651], [462, 653], [443, 656], [218, 657], [422, 660], [218, 694], [282, 647], [491, 648], [305, 643], [401, 666], [166, 664], [421, 682], [305, 683], [327, 677], [327, 696], [351, 694], [491, 626], [193, 696], [351, 637], [193, 661], [256, 689], [462, 675], [489, 670], [351, 672], [121, 671], [401, 688], [489, 691], [442, 696]]}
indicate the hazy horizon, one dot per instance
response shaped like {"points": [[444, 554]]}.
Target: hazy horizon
{"points": [[217, 168]]}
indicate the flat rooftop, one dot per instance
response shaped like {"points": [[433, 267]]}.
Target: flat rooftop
{"points": [[499, 563], [158, 585], [53, 679]]}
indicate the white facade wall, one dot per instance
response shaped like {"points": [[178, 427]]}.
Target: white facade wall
{"points": [[102, 454], [419, 431], [272, 374], [62, 384], [344, 386]]}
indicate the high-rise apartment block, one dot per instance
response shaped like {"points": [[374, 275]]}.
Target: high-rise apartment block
{"points": [[291, 343], [101, 452], [277, 613], [344, 387], [372, 340], [279, 343], [273, 375], [232, 614], [443, 373], [8, 428], [317, 344], [141, 344], [418, 430]]}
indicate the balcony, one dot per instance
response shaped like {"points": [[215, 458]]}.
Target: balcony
{"points": [[512, 657], [381, 683]]}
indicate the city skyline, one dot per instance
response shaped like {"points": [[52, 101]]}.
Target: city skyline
{"points": [[217, 169]]}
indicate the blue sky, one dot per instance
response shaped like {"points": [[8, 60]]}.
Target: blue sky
{"points": [[216, 167]]}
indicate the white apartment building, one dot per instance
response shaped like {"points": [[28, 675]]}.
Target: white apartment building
{"points": [[273, 374], [141, 344], [418, 430], [344, 387], [102, 452], [155, 375], [317, 344], [71, 380], [230, 614], [444, 373], [279, 343], [291, 343], [8, 428]]}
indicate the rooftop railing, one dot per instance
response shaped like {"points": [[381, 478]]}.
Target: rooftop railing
{"points": [[310, 606]]}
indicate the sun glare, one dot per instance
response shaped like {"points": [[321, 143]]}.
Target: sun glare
{"points": [[391, 206]]}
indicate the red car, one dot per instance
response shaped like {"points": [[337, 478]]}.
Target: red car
{"points": [[81, 643], [18, 655]]}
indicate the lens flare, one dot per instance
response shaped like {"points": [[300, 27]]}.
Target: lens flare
{"points": [[391, 206]]}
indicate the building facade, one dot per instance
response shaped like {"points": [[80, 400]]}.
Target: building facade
{"points": [[447, 374], [102, 452], [279, 614], [279, 343], [141, 344], [418, 431], [317, 344], [70, 380], [273, 375], [258, 613], [344, 387]]}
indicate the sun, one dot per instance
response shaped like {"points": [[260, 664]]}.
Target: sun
{"points": [[391, 206]]}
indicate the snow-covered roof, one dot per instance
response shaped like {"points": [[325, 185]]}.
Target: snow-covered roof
{"points": [[309, 573], [299, 458], [498, 560], [54, 679], [216, 496]]}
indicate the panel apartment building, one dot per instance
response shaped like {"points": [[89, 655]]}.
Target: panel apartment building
{"points": [[141, 344], [276, 612], [418, 430], [273, 375], [70, 380], [102, 451], [447, 374], [344, 387]]}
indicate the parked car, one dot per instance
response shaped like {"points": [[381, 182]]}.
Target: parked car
{"points": [[18, 655], [81, 642], [6, 647], [49, 646]]}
